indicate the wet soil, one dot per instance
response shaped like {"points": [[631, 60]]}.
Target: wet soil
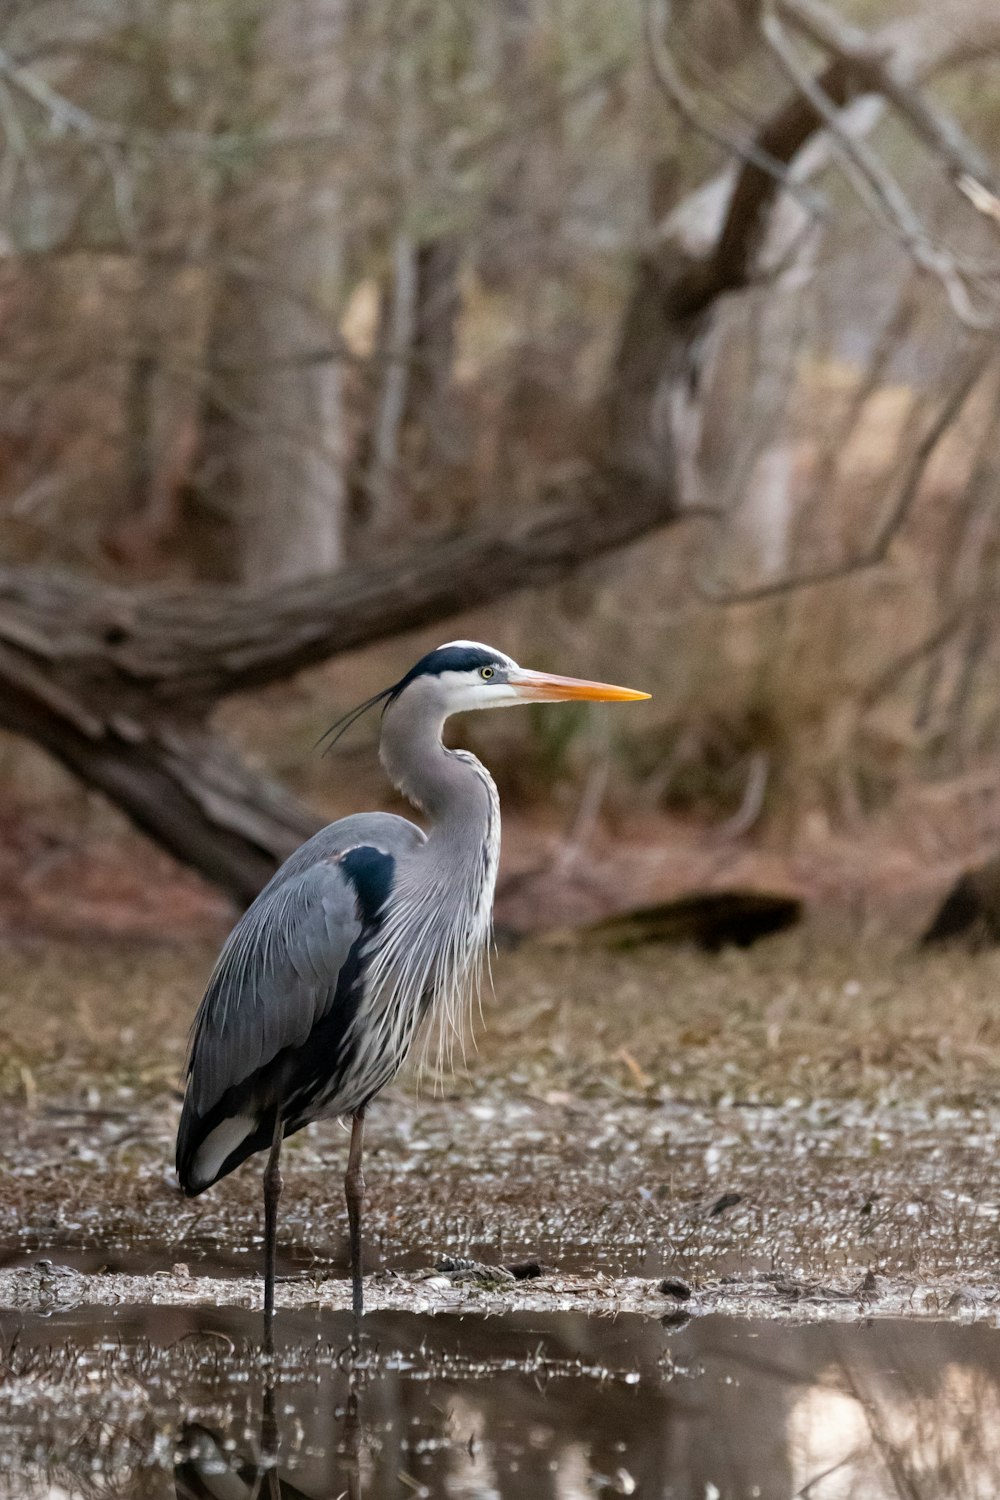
{"points": [[789, 1110], [736, 1175], [615, 1194]]}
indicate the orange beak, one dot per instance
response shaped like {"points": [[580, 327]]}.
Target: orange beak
{"points": [[541, 687]]}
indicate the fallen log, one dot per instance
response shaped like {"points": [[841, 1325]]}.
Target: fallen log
{"points": [[970, 912], [119, 684]]}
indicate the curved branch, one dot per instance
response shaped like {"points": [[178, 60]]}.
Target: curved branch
{"points": [[118, 684], [186, 649], [878, 548], [912, 51]]}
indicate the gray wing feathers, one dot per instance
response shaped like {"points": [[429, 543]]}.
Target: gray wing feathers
{"points": [[275, 978], [277, 974]]}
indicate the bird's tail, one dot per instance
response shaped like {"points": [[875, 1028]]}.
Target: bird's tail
{"points": [[189, 1138], [213, 1145]]}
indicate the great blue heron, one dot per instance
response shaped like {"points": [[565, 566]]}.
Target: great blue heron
{"points": [[370, 925]]}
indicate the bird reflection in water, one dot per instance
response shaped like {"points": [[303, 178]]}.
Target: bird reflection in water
{"points": [[206, 1468]]}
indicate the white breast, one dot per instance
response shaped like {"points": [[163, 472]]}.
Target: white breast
{"points": [[428, 956]]}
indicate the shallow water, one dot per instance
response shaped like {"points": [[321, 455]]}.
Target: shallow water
{"points": [[150, 1402]]}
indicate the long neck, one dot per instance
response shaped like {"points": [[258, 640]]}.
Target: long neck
{"points": [[436, 931], [454, 790]]}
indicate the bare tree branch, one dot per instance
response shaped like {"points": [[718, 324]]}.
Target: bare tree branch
{"points": [[751, 803], [68, 118], [874, 184], [118, 683], [920, 46], [889, 677], [191, 647], [468, 151], [688, 109], [937, 129], [878, 549]]}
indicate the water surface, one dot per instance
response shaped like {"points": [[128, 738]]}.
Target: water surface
{"points": [[156, 1402]]}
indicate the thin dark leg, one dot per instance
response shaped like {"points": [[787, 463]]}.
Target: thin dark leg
{"points": [[272, 1194], [268, 1467], [354, 1191], [349, 1447]]}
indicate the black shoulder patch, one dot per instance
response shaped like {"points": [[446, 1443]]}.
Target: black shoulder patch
{"points": [[371, 873]]}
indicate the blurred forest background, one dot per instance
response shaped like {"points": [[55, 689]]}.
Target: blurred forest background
{"points": [[655, 343]]}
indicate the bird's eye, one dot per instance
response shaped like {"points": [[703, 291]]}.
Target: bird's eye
{"points": [[486, 672]]}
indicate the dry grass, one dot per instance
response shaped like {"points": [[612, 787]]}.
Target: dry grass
{"points": [[788, 1017], [78, 1017]]}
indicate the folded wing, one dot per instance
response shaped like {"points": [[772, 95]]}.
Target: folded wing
{"points": [[274, 1030]]}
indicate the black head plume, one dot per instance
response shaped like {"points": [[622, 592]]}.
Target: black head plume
{"points": [[342, 725], [456, 656]]}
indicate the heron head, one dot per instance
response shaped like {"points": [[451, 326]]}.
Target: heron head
{"points": [[463, 675]]}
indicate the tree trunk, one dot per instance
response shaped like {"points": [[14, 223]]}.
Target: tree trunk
{"points": [[434, 404], [272, 491]]}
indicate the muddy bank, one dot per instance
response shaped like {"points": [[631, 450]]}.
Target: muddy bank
{"points": [[809, 1114], [800, 1142], [612, 1196], [48, 1288]]}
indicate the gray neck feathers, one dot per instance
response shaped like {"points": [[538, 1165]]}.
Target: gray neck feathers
{"points": [[452, 787], [436, 933]]}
